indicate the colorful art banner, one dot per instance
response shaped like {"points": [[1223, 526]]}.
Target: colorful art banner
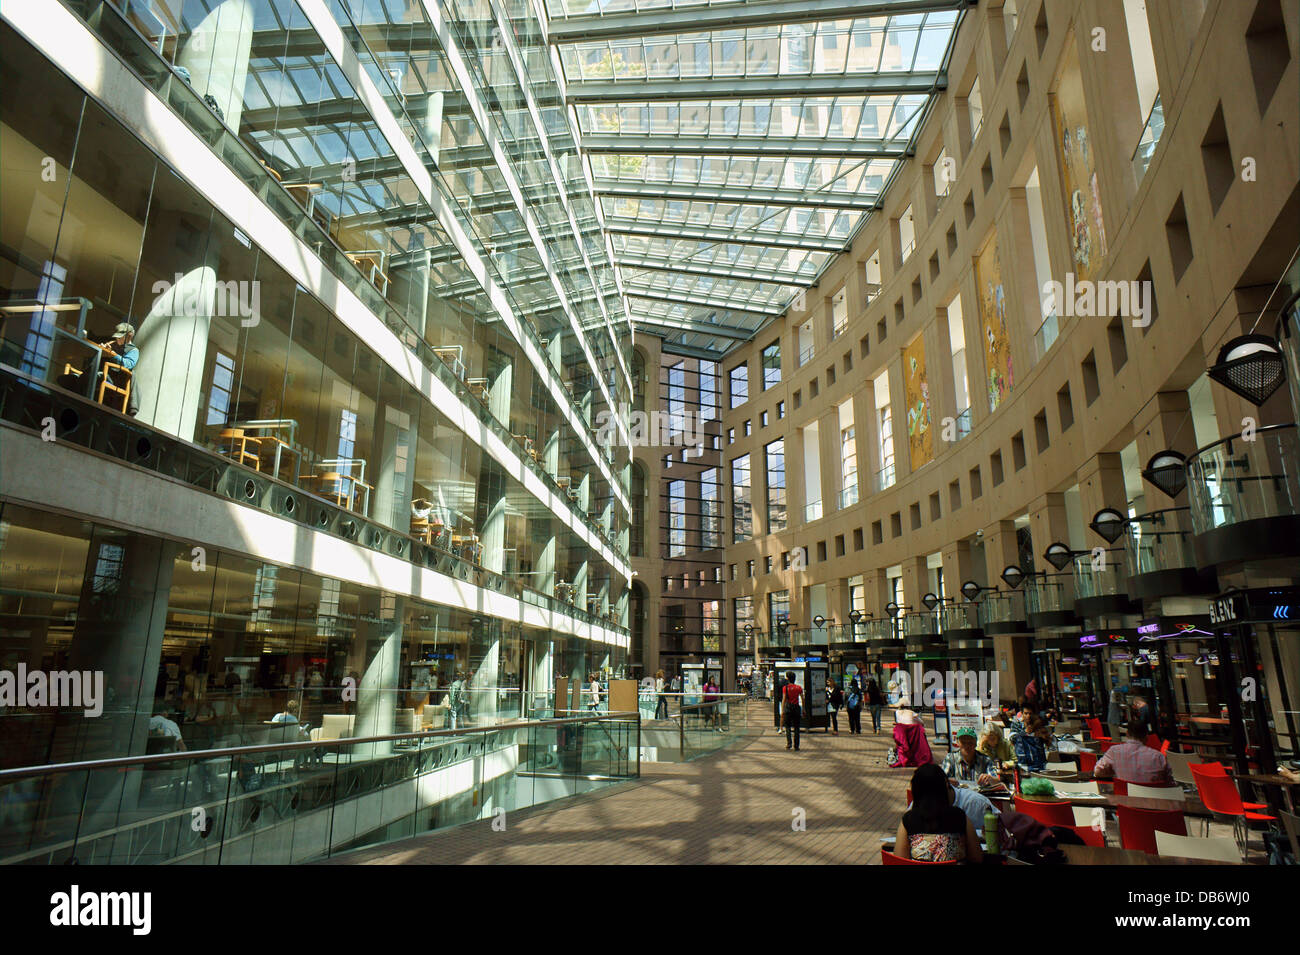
{"points": [[1000, 377], [1078, 170], [920, 436]]}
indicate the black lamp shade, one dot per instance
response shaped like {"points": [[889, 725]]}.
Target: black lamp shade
{"points": [[1012, 576], [1250, 366], [1058, 555], [1167, 470], [818, 621], [749, 628], [855, 616], [1109, 524], [970, 590], [930, 600], [891, 608]]}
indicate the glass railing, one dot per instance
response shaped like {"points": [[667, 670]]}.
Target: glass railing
{"points": [[885, 477], [921, 623], [709, 725], [1044, 595], [963, 423], [1154, 542], [812, 511], [964, 616], [1002, 608], [1236, 480], [296, 802], [1152, 130], [155, 73], [849, 495], [27, 403], [1110, 579]]}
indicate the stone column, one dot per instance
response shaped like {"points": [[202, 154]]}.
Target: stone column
{"points": [[173, 343], [216, 53]]}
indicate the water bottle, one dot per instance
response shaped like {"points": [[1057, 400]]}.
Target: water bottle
{"points": [[991, 832]]}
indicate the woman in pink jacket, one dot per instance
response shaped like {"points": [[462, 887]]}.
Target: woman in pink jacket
{"points": [[910, 742]]}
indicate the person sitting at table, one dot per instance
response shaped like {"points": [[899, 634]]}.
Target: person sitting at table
{"points": [[119, 350], [993, 744], [421, 509], [1133, 760], [967, 764], [1030, 744], [973, 804], [934, 829], [911, 747], [288, 715]]}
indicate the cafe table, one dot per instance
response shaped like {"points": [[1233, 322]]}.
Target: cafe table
{"points": [[1271, 779], [1113, 855]]}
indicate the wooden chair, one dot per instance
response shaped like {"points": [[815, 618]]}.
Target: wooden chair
{"points": [[106, 385], [334, 485], [235, 444]]}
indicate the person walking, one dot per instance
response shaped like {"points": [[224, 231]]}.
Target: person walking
{"points": [[661, 701], [791, 693], [853, 703], [876, 701], [778, 697], [834, 703]]}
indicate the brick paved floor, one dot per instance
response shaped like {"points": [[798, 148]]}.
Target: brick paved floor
{"points": [[736, 806]]}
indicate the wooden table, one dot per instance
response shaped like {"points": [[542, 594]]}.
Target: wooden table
{"points": [[1270, 779], [1113, 855]]}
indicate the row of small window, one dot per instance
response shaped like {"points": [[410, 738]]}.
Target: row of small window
{"points": [[700, 578]]}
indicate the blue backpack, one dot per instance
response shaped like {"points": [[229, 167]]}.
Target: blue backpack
{"points": [[854, 699]]}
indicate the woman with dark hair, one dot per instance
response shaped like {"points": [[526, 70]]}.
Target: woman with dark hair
{"points": [[935, 830], [1031, 744]]}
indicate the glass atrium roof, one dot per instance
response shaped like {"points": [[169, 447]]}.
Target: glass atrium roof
{"points": [[736, 146]]}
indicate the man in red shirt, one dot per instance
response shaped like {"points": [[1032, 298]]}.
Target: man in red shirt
{"points": [[791, 693]]}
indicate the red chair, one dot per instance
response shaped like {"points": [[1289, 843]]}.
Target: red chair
{"points": [[1048, 813], [1091, 836], [1138, 827], [1153, 740], [1219, 793], [1094, 729], [1087, 762], [1105, 744], [1164, 747], [888, 858], [1218, 769]]}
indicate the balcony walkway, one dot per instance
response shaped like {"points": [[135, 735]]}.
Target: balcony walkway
{"points": [[735, 806]]}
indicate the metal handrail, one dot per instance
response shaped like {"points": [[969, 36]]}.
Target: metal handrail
{"points": [[1235, 437], [7, 775]]}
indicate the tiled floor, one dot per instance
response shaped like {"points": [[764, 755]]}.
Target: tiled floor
{"points": [[738, 806]]}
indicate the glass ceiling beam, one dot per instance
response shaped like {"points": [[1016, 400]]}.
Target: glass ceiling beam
{"points": [[630, 144], [770, 276], [636, 89], [704, 301], [616, 188], [724, 16], [687, 351], [669, 230], [703, 328]]}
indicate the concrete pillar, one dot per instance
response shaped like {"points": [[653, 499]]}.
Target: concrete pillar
{"points": [[173, 343], [1101, 484], [379, 639], [216, 54], [500, 391], [396, 468]]}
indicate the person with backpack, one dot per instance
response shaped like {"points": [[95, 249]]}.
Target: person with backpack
{"points": [[791, 693], [853, 702], [875, 700], [834, 703]]}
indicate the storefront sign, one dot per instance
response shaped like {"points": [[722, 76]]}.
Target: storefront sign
{"points": [[1223, 610]]}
